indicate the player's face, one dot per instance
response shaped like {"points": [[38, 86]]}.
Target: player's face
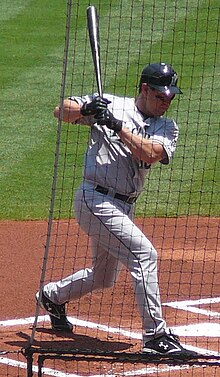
{"points": [[157, 103]]}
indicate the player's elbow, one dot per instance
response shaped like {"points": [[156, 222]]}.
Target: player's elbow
{"points": [[150, 160], [157, 153]]}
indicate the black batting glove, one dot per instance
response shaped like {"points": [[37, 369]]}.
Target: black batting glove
{"points": [[96, 105], [106, 118]]}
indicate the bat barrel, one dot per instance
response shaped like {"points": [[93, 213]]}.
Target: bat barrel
{"points": [[93, 28]]}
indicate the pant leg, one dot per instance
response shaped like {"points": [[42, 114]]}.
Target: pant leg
{"points": [[111, 223], [103, 274]]}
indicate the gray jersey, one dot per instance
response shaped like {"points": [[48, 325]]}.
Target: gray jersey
{"points": [[109, 162]]}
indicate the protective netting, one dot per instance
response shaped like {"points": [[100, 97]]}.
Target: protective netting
{"points": [[178, 209]]}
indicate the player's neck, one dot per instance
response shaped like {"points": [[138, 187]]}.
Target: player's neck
{"points": [[141, 108]]}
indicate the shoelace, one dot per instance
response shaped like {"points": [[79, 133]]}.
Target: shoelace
{"points": [[173, 336]]}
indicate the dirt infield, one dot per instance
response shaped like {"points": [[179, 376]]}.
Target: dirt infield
{"points": [[189, 270]]}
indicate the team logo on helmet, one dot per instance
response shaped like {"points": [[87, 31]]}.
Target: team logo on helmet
{"points": [[174, 79]]}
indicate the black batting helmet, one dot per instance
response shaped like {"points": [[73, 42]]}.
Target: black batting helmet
{"points": [[160, 76]]}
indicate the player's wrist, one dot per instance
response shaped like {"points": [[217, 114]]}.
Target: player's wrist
{"points": [[106, 118], [116, 125], [87, 109]]}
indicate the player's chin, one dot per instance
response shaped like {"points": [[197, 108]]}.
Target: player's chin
{"points": [[160, 112]]}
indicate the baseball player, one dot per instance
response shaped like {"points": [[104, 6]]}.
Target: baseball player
{"points": [[128, 136]]}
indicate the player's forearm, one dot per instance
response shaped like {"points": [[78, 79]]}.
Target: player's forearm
{"points": [[143, 149], [70, 111]]}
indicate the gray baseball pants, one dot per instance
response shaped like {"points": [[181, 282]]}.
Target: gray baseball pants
{"points": [[116, 241]]}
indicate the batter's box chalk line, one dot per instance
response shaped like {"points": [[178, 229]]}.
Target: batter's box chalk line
{"points": [[192, 330]]}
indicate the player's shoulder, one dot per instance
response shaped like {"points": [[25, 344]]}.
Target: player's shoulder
{"points": [[165, 126], [165, 122]]}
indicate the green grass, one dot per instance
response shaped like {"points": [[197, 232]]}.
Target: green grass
{"points": [[132, 34]]}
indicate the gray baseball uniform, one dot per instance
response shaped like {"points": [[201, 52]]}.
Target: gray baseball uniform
{"points": [[104, 207]]}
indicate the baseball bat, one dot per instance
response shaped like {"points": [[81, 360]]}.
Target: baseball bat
{"points": [[93, 28]]}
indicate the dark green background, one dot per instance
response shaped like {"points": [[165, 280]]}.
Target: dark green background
{"points": [[133, 33]]}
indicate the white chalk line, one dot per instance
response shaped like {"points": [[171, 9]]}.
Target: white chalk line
{"points": [[201, 329], [190, 306], [55, 373]]}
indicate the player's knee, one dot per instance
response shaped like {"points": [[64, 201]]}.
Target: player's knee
{"points": [[148, 256], [153, 254]]}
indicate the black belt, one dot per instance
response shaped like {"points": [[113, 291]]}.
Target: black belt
{"points": [[125, 198]]}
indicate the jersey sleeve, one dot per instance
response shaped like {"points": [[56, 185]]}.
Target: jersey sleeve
{"points": [[167, 136]]}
